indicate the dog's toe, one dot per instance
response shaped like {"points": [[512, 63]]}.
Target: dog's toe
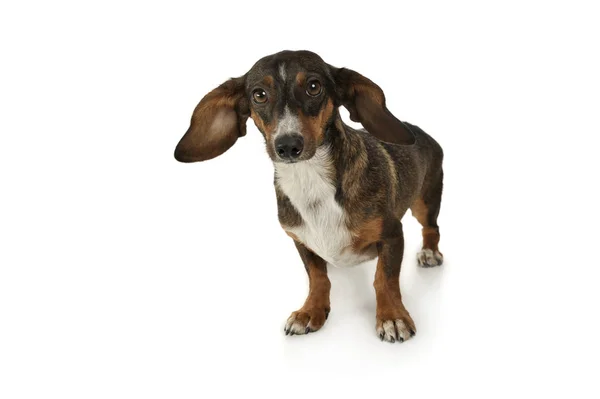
{"points": [[394, 330], [304, 322], [429, 258]]}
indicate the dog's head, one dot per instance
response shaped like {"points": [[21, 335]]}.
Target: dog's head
{"points": [[293, 97]]}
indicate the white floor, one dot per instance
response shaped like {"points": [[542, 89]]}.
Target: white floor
{"points": [[124, 274], [172, 280]]}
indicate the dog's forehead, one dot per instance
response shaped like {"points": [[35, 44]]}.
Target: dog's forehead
{"points": [[287, 64]]}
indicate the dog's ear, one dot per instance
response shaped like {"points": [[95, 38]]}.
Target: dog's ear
{"points": [[366, 103], [217, 122]]}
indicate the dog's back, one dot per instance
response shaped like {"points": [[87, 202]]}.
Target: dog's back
{"points": [[419, 165]]}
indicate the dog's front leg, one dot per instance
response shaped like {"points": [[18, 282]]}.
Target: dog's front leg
{"points": [[393, 321], [312, 315]]}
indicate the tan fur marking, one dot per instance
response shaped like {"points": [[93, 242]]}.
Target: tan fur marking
{"points": [[431, 236], [319, 286], [325, 115], [389, 299], [314, 127], [268, 80], [294, 236], [267, 128], [300, 79], [419, 211], [368, 234], [313, 313]]}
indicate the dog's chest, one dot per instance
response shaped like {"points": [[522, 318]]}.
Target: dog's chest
{"points": [[312, 193]]}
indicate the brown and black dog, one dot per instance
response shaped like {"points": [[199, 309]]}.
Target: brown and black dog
{"points": [[341, 192]]}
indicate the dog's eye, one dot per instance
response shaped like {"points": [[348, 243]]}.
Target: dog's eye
{"points": [[259, 96], [313, 88]]}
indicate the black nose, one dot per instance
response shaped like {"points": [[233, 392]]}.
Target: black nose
{"points": [[289, 146]]}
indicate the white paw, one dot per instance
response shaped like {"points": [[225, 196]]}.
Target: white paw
{"points": [[293, 327], [428, 258], [394, 330], [304, 322]]}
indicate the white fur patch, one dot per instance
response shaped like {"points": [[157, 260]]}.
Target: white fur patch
{"points": [[282, 72], [287, 124], [293, 326], [310, 189]]}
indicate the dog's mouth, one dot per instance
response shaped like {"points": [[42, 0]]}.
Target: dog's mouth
{"points": [[289, 161]]}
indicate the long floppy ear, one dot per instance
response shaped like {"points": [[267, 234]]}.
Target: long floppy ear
{"points": [[217, 122], [366, 103]]}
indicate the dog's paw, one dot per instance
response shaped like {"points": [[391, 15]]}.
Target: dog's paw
{"points": [[398, 330], [306, 321], [429, 258]]}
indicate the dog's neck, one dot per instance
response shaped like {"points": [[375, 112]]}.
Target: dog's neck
{"points": [[338, 136], [344, 142]]}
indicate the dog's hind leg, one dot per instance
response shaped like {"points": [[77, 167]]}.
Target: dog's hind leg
{"points": [[426, 209]]}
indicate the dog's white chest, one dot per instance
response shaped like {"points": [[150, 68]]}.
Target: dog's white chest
{"points": [[308, 186]]}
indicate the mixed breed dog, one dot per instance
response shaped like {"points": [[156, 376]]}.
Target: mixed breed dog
{"points": [[341, 192]]}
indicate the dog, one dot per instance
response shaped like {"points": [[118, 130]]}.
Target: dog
{"points": [[341, 192]]}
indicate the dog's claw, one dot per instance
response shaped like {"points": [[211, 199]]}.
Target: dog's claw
{"points": [[395, 330], [303, 322]]}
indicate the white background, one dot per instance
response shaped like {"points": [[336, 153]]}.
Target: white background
{"points": [[125, 274]]}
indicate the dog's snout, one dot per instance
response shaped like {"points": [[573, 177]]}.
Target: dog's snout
{"points": [[289, 147]]}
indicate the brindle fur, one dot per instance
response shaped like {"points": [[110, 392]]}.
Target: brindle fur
{"points": [[378, 174]]}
